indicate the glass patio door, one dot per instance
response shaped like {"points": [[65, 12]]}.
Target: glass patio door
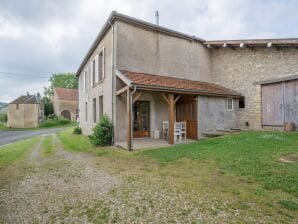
{"points": [[141, 119]]}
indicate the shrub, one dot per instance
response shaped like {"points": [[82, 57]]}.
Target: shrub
{"points": [[77, 130], [52, 116], [3, 118], [54, 122], [102, 132]]}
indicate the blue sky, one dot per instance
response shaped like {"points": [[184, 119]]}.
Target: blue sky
{"points": [[40, 37]]}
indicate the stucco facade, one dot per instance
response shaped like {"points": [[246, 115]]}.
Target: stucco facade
{"points": [[137, 46], [24, 115]]}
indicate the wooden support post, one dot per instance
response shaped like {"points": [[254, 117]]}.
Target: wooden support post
{"points": [[128, 108], [171, 105]]}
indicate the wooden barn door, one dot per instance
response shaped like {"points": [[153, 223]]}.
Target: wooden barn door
{"points": [[291, 102], [187, 111], [272, 105]]}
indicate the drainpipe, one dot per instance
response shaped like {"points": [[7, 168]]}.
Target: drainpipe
{"points": [[131, 115], [113, 82]]}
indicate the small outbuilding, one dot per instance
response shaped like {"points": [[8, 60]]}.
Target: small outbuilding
{"points": [[65, 103], [25, 112]]}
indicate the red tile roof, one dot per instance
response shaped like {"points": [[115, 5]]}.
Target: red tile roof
{"points": [[175, 84], [66, 94]]}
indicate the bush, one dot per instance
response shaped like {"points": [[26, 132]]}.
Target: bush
{"points": [[77, 130], [3, 118], [52, 116], [54, 122], [102, 132]]}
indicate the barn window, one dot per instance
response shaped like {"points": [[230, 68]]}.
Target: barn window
{"points": [[242, 102], [230, 104], [17, 106]]}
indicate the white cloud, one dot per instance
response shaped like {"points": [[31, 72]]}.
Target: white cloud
{"points": [[9, 27]]}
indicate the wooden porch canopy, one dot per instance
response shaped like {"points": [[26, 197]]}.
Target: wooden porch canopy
{"points": [[171, 90]]}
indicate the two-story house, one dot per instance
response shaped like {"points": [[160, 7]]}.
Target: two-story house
{"points": [[141, 74]]}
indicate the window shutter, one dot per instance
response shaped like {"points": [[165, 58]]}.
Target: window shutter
{"points": [[103, 63], [96, 68], [91, 73], [84, 87]]}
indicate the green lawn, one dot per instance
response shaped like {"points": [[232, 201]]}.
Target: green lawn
{"points": [[249, 177], [16, 151]]}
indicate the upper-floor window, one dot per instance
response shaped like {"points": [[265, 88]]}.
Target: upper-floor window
{"points": [[85, 81], [101, 65], [230, 104], [93, 72]]}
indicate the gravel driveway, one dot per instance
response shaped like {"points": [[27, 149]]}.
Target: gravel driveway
{"points": [[53, 189], [7, 136]]}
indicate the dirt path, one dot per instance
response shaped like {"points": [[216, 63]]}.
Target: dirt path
{"points": [[52, 189]]}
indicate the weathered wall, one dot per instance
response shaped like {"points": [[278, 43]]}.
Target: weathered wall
{"points": [[213, 114], [143, 50], [158, 113], [61, 105], [238, 69], [103, 88], [27, 116]]}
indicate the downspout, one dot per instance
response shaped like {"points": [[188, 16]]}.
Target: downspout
{"points": [[113, 82], [131, 114]]}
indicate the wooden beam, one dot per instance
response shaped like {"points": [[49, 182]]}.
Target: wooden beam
{"points": [[166, 98], [123, 90], [128, 108], [138, 96], [177, 98], [171, 107]]}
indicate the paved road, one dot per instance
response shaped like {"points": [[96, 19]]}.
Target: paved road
{"points": [[8, 136]]}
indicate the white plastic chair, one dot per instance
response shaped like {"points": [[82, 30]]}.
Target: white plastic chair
{"points": [[183, 130], [177, 131]]}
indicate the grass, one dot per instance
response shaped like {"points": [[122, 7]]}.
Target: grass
{"points": [[16, 151], [254, 155], [47, 147], [73, 142]]}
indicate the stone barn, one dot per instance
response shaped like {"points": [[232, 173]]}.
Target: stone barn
{"points": [[65, 103]]}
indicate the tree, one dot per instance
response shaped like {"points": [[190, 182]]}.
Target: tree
{"points": [[48, 106], [63, 80]]}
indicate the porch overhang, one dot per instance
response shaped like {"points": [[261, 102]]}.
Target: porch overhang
{"points": [[171, 90]]}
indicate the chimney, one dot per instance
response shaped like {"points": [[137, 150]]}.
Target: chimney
{"points": [[157, 17]]}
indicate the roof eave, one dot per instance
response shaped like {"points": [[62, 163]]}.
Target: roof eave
{"points": [[183, 91]]}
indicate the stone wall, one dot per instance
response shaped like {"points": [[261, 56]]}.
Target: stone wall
{"points": [[61, 105], [239, 69]]}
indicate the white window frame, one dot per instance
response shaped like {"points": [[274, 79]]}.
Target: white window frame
{"points": [[96, 68], [230, 109], [85, 81], [91, 73]]}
